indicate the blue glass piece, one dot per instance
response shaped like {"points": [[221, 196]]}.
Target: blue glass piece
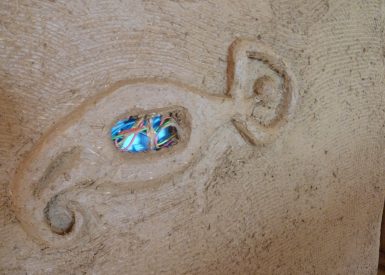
{"points": [[139, 144], [163, 134], [122, 125], [143, 133], [156, 121]]}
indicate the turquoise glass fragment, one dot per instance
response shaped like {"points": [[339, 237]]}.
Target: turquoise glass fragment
{"points": [[144, 133]]}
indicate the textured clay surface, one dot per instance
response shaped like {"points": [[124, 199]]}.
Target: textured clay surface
{"points": [[280, 164]]}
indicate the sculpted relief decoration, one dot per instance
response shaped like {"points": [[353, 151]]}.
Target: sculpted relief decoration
{"points": [[191, 137]]}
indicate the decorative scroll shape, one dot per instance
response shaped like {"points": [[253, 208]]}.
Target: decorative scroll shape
{"points": [[194, 126]]}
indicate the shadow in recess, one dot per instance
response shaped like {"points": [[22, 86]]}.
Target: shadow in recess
{"points": [[381, 261]]}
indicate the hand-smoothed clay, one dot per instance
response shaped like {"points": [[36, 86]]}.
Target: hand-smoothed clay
{"points": [[273, 125]]}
